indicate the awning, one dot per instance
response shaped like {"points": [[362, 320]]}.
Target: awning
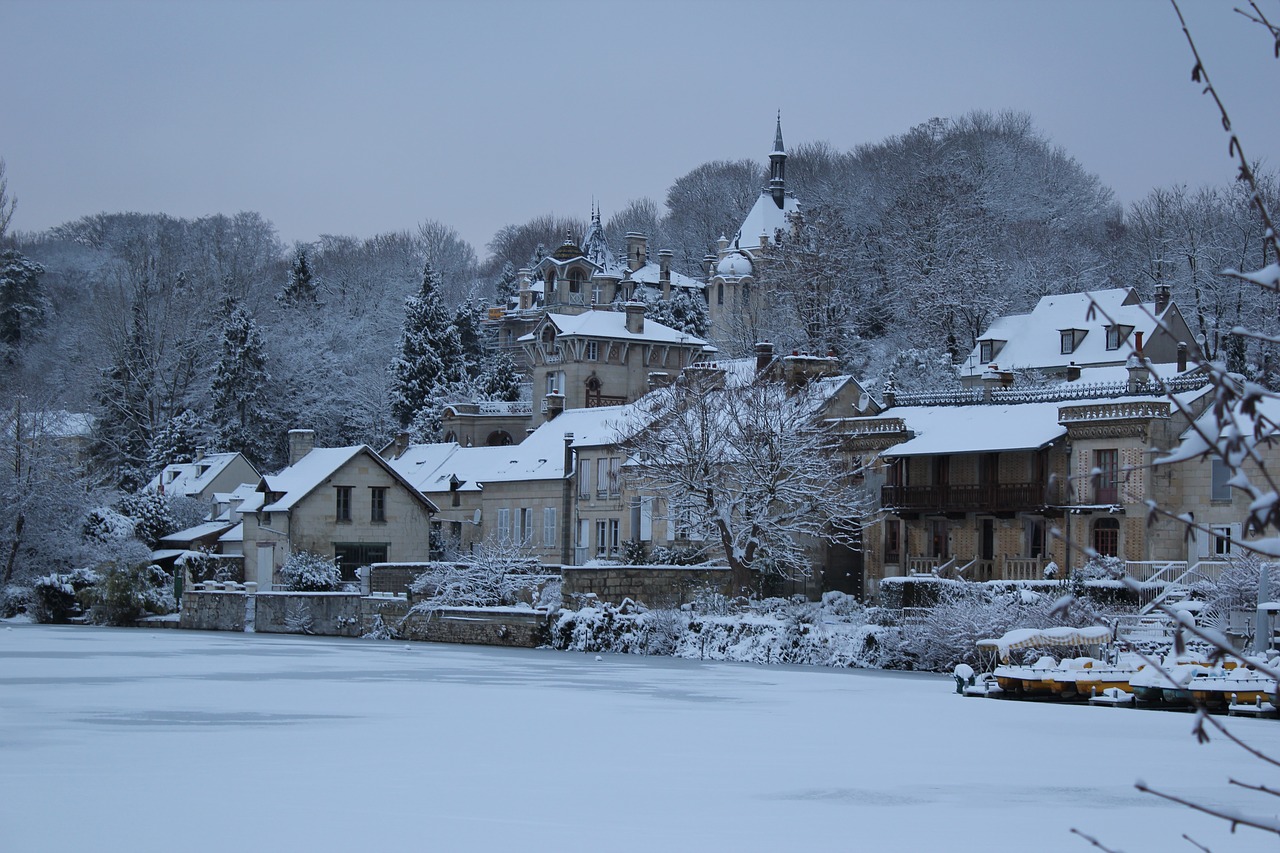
{"points": [[1022, 638]]}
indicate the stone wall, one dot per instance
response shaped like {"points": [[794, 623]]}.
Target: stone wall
{"points": [[655, 586], [350, 615], [213, 611], [330, 614]]}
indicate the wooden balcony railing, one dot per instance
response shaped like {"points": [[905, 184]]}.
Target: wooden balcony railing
{"points": [[990, 497]]}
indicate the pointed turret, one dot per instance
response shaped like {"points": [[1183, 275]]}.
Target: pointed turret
{"points": [[778, 168]]}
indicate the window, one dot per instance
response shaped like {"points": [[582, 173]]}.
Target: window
{"points": [[1035, 537], [593, 351], [342, 509], [893, 541], [552, 384], [1221, 544], [1113, 337], [602, 537], [1106, 476], [719, 294], [986, 352], [354, 555], [941, 541], [549, 527], [584, 479], [615, 481], [1221, 475], [1106, 537], [504, 525], [378, 504], [597, 292], [615, 535], [1068, 341], [602, 478]]}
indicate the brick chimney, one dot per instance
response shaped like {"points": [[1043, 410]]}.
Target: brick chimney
{"points": [[1163, 297], [637, 250], [1182, 356], [764, 357], [401, 445], [664, 271], [635, 317], [301, 442], [1073, 372]]}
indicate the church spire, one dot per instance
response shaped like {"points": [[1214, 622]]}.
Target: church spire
{"points": [[778, 168]]}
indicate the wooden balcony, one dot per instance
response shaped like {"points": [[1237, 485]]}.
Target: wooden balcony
{"points": [[990, 497]]}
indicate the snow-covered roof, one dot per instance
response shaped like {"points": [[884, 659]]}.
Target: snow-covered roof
{"points": [[1034, 339], [651, 274], [308, 473], [191, 478], [57, 423], [976, 429], [765, 217], [200, 531], [1197, 439], [613, 325], [235, 534]]}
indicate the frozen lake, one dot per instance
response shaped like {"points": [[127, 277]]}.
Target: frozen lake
{"points": [[141, 740]]}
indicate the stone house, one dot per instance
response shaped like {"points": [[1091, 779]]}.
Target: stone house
{"points": [[204, 477], [342, 502]]}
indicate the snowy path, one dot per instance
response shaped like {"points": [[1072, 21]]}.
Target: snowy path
{"points": [[138, 740]]}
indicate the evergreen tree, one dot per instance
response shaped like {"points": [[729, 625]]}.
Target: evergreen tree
{"points": [[467, 321], [122, 427], [685, 312], [23, 305], [239, 386], [301, 287], [500, 380], [431, 355], [176, 441], [508, 283]]}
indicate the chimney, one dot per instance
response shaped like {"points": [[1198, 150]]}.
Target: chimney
{"points": [[568, 455], [555, 405], [1073, 372], [659, 379], [1137, 345], [664, 271], [635, 317], [199, 453], [1163, 297], [301, 442], [526, 295], [991, 380], [1139, 373], [401, 445], [708, 264], [1182, 356], [637, 250], [764, 357]]}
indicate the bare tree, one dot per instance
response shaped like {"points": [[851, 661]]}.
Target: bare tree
{"points": [[8, 203], [752, 468]]}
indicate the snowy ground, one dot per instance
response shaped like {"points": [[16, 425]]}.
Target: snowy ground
{"points": [[142, 740]]}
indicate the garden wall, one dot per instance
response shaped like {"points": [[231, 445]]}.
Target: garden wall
{"points": [[655, 586]]}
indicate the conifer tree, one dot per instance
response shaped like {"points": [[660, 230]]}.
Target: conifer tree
{"points": [[301, 287], [122, 426], [500, 380], [23, 305], [431, 355], [239, 382], [684, 312], [467, 321]]}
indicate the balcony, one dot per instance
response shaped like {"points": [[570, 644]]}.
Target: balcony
{"points": [[990, 497]]}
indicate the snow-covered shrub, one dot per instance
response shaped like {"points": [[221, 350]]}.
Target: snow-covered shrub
{"points": [[307, 572], [124, 593], [673, 556], [104, 525], [152, 515], [634, 553], [1237, 587], [54, 597], [14, 600], [1100, 567], [492, 576]]}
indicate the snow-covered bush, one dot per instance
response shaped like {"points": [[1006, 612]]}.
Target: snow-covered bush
{"points": [[14, 600], [152, 515], [1237, 587], [122, 594], [307, 572], [493, 576], [54, 597], [1100, 567]]}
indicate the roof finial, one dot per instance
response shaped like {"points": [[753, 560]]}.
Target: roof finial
{"points": [[777, 137]]}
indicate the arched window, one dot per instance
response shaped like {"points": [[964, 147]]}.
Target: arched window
{"points": [[575, 281], [719, 294], [1106, 537], [593, 392], [450, 436], [499, 438]]}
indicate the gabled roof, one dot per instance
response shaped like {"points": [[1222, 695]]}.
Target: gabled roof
{"points": [[311, 471], [1033, 340], [613, 325], [200, 531], [651, 274], [192, 478], [764, 218]]}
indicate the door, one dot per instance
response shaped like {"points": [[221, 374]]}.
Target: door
{"points": [[266, 565], [988, 543]]}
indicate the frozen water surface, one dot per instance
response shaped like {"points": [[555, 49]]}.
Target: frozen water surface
{"points": [[144, 740]]}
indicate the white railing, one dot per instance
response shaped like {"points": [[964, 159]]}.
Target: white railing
{"points": [[1024, 568]]}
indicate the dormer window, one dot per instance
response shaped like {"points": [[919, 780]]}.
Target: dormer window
{"points": [[986, 351], [1113, 337], [1071, 339]]}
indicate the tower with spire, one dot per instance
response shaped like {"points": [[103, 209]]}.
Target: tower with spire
{"points": [[778, 168]]}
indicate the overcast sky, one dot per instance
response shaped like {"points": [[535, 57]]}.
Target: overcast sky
{"points": [[361, 118]]}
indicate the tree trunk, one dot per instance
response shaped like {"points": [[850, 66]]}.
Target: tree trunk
{"points": [[20, 523]]}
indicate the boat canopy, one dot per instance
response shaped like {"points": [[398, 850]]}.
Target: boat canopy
{"points": [[1021, 638]]}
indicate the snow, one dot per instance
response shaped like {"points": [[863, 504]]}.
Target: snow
{"points": [[219, 742], [977, 429], [764, 218], [612, 325]]}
